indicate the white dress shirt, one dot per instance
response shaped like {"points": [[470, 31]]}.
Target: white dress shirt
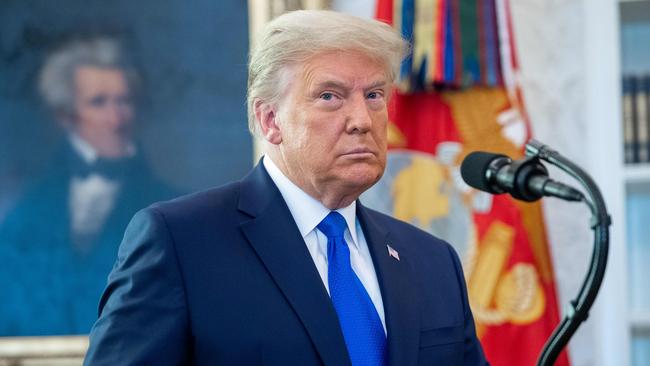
{"points": [[91, 198], [307, 212]]}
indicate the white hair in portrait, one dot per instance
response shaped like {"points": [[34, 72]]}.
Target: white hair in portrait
{"points": [[56, 79]]}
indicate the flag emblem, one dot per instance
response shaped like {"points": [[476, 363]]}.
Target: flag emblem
{"points": [[392, 252]]}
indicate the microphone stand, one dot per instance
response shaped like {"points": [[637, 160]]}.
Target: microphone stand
{"points": [[600, 222]]}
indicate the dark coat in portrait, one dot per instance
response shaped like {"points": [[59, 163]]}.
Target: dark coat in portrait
{"points": [[51, 279]]}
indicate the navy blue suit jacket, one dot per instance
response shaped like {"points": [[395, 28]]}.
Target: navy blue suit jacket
{"points": [[223, 277]]}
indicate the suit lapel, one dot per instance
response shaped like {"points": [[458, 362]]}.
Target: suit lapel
{"points": [[397, 291], [277, 241]]}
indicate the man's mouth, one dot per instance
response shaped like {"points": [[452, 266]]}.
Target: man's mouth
{"points": [[361, 152]]}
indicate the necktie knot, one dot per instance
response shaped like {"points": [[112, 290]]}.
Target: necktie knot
{"points": [[333, 225], [108, 168]]}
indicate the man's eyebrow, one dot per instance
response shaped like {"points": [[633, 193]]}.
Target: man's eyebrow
{"points": [[376, 84], [327, 84], [332, 84]]}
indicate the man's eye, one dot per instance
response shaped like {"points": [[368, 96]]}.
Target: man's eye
{"points": [[98, 101], [374, 95], [327, 96]]}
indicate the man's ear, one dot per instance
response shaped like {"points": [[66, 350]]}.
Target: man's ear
{"points": [[267, 118]]}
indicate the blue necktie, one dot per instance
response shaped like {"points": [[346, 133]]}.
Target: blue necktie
{"points": [[361, 325]]}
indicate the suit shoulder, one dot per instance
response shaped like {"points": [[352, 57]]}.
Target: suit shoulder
{"points": [[399, 225], [201, 203], [420, 238]]}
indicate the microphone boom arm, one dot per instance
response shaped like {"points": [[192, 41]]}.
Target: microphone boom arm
{"points": [[600, 222]]}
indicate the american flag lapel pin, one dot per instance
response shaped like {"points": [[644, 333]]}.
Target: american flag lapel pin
{"points": [[392, 252]]}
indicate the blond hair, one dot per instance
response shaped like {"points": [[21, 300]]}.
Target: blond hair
{"points": [[292, 38]]}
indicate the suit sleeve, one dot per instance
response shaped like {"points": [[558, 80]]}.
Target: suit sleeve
{"points": [[143, 312], [473, 351]]}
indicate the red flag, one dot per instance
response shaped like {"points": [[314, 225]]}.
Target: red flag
{"points": [[502, 241]]}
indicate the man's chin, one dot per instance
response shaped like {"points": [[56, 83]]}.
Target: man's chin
{"points": [[363, 179], [116, 150]]}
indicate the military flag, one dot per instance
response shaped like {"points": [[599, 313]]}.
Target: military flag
{"points": [[458, 93]]}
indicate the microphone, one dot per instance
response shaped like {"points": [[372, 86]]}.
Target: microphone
{"points": [[525, 180]]}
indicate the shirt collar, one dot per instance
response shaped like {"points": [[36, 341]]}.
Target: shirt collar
{"points": [[81, 147], [307, 212]]}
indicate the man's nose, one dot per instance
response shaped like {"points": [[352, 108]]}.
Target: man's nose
{"points": [[117, 114], [359, 119]]}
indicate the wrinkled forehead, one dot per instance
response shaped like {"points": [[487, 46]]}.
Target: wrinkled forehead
{"points": [[89, 79], [349, 68]]}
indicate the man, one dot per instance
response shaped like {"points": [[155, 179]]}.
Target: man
{"points": [[286, 267], [62, 237]]}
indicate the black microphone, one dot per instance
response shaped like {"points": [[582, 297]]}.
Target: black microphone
{"points": [[525, 180]]}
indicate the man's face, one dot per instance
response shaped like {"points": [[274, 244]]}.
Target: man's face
{"points": [[333, 123], [104, 112]]}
